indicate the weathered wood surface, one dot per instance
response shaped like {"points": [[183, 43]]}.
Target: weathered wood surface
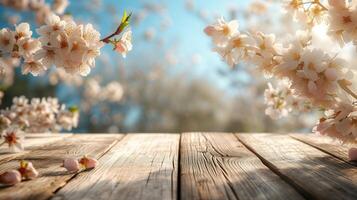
{"points": [[141, 166], [316, 174], [48, 160], [222, 168], [326, 145], [32, 141], [185, 166]]}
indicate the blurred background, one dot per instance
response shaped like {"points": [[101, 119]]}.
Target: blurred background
{"points": [[171, 81]]}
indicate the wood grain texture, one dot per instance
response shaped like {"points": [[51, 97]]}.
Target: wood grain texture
{"points": [[31, 142], [316, 174], [141, 166], [218, 166], [48, 159], [326, 144]]}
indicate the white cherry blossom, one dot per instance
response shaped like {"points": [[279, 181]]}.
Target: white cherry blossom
{"points": [[7, 40], [13, 137], [22, 31], [222, 31], [28, 46], [340, 122], [39, 115], [33, 66], [124, 45]]}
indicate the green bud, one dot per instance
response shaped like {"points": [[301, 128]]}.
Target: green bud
{"points": [[73, 109]]}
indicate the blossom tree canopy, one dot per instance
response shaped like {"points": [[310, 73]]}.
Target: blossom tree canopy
{"points": [[312, 76]]}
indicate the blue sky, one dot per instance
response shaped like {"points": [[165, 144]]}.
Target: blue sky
{"points": [[184, 36]]}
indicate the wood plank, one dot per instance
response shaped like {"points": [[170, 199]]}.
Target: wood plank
{"points": [[141, 166], [31, 142], [326, 145], [218, 166], [48, 159], [316, 174]]}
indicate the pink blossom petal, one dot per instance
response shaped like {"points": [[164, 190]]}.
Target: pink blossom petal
{"points": [[11, 177], [352, 154], [71, 164], [88, 163]]}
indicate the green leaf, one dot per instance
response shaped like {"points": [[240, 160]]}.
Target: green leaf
{"points": [[73, 109], [123, 19]]}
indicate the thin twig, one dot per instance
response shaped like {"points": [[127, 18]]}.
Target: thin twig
{"points": [[124, 22]]}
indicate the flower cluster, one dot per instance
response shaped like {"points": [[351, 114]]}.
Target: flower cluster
{"points": [[38, 116], [342, 20], [314, 76], [65, 44], [39, 7], [311, 72], [307, 12], [340, 15], [19, 44], [112, 92], [281, 101], [340, 122], [68, 45]]}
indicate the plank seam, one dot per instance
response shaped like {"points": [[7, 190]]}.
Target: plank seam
{"points": [[75, 175], [323, 150], [178, 195], [275, 170]]}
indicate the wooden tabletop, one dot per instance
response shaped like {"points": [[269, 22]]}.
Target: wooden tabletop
{"points": [[185, 166]]}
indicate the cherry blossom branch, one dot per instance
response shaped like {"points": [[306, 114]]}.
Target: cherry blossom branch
{"points": [[123, 24]]}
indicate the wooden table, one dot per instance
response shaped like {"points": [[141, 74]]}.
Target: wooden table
{"points": [[186, 166]]}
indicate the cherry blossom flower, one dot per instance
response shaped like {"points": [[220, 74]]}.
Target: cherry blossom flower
{"points": [[123, 46], [236, 50], [47, 56], [11, 177], [27, 170], [88, 162], [28, 46], [7, 40], [33, 66], [340, 122], [22, 31], [53, 25], [264, 55], [222, 31], [13, 137], [281, 101]]}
